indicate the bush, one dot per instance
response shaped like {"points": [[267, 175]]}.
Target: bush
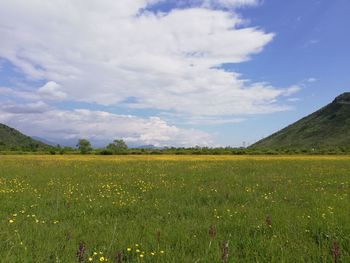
{"points": [[106, 152]]}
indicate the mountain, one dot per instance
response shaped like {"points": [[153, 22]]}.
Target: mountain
{"points": [[328, 127], [12, 139]]}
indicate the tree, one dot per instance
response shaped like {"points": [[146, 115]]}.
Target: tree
{"points": [[66, 149], [117, 147], [84, 146]]}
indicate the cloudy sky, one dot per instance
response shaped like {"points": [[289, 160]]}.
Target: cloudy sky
{"points": [[166, 72]]}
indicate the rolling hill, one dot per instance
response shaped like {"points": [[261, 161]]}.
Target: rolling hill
{"points": [[328, 127], [12, 139]]}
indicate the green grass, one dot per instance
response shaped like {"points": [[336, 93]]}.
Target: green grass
{"points": [[113, 204]]}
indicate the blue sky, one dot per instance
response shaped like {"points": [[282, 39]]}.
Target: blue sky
{"points": [[201, 72]]}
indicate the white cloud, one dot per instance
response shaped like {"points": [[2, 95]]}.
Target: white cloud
{"points": [[27, 108], [294, 99], [231, 3], [98, 126], [51, 91], [311, 80], [292, 90], [107, 51]]}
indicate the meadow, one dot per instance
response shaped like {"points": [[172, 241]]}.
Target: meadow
{"points": [[174, 209]]}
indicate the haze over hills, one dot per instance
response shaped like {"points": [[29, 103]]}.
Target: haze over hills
{"points": [[328, 127], [44, 140], [12, 139]]}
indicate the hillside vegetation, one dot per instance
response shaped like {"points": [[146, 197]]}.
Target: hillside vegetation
{"points": [[328, 127], [12, 139]]}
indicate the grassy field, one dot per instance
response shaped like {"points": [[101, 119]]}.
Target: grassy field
{"points": [[174, 209]]}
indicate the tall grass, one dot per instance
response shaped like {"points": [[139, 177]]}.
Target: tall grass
{"points": [[174, 209]]}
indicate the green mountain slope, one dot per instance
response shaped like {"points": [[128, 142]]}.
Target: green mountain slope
{"points": [[11, 139], [328, 127]]}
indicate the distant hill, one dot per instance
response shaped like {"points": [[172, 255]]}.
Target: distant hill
{"points": [[12, 139], [328, 127], [44, 141], [149, 146]]}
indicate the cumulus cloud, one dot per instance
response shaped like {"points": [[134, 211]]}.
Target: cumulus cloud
{"points": [[108, 51], [98, 126], [51, 91], [292, 90], [121, 53]]}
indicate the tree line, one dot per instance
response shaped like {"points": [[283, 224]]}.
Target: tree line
{"points": [[119, 147]]}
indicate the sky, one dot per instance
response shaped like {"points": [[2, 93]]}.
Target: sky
{"points": [[169, 73]]}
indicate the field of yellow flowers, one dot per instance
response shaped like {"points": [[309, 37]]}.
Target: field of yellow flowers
{"points": [[174, 209]]}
